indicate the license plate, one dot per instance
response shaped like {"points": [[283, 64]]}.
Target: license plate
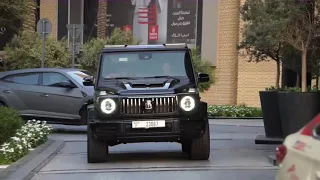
{"points": [[148, 124]]}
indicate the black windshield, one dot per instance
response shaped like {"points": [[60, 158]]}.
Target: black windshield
{"points": [[145, 64]]}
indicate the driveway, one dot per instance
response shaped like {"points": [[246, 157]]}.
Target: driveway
{"points": [[234, 155]]}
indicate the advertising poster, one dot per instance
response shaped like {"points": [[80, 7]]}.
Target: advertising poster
{"points": [[155, 21]]}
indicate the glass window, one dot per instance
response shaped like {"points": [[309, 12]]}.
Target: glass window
{"points": [[79, 75], [145, 64], [26, 79], [52, 79]]}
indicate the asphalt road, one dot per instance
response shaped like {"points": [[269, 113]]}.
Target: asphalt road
{"points": [[233, 156]]}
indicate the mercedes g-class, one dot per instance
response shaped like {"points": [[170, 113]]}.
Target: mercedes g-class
{"points": [[147, 93]]}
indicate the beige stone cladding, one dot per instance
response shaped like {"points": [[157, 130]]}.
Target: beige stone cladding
{"points": [[48, 9], [224, 91], [237, 81]]}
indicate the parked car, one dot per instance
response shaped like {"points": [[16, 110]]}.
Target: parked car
{"points": [[298, 157], [52, 94]]}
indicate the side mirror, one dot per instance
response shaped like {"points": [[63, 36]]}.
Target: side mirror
{"points": [[88, 81], [202, 77], [66, 84]]}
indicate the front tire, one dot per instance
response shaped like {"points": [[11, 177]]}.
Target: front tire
{"points": [[97, 151], [200, 147]]}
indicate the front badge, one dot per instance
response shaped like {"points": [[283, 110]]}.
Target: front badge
{"points": [[148, 105]]}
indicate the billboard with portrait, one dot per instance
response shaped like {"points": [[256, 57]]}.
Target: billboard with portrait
{"points": [[155, 21]]}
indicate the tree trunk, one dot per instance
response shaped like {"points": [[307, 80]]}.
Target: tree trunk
{"points": [[102, 18], [317, 81], [29, 22], [298, 80], [278, 75], [304, 71]]}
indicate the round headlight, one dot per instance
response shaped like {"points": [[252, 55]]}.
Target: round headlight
{"points": [[187, 103], [108, 106]]}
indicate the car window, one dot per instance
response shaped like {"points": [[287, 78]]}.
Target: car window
{"points": [[52, 79], [26, 78]]}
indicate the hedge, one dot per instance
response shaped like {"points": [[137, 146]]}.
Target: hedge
{"points": [[233, 111]]}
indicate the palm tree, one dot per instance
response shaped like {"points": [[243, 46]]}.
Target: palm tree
{"points": [[29, 22], [102, 18]]}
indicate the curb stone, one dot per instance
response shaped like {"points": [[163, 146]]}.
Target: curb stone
{"points": [[272, 160], [247, 118], [24, 168]]}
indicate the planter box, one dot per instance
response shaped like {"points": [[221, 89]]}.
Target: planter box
{"points": [[271, 114], [297, 109]]}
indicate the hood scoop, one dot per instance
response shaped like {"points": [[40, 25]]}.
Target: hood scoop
{"points": [[143, 84]]}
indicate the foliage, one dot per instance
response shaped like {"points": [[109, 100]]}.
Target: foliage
{"points": [[10, 121], [233, 111], [12, 11], [202, 66], [292, 89], [91, 49], [29, 136], [25, 51], [260, 42], [298, 25]]}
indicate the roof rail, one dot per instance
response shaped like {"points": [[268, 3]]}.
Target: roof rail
{"points": [[183, 45], [115, 46], [177, 45]]}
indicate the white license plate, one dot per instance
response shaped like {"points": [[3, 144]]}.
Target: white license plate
{"points": [[148, 124]]}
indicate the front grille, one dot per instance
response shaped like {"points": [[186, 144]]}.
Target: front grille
{"points": [[142, 105]]}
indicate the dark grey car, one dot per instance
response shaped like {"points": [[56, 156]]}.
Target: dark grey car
{"points": [[52, 94]]}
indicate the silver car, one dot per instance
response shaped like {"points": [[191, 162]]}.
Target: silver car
{"points": [[53, 94]]}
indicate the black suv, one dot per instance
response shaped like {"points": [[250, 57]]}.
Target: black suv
{"points": [[147, 93]]}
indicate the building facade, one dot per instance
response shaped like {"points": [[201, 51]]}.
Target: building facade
{"points": [[214, 26]]}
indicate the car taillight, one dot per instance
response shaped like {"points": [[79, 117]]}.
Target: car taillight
{"points": [[308, 129], [281, 153]]}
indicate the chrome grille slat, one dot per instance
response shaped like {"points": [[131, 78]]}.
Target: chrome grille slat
{"points": [[134, 105]]}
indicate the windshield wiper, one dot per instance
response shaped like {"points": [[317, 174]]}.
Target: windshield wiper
{"points": [[168, 77], [128, 78]]}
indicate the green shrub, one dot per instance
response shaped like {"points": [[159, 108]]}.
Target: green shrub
{"points": [[25, 51], [10, 121], [91, 49], [202, 66], [234, 111]]}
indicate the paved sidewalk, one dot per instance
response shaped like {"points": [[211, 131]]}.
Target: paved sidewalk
{"points": [[238, 122]]}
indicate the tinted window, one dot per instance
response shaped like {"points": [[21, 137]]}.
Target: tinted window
{"points": [[26, 79], [52, 79], [145, 64]]}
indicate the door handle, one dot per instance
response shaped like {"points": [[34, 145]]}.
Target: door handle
{"points": [[6, 91], [44, 95]]}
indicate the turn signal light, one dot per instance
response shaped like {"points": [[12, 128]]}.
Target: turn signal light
{"points": [[281, 153]]}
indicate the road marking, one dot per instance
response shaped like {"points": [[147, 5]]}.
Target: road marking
{"points": [[155, 169]]}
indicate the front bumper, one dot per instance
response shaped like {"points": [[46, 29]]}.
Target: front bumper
{"points": [[121, 131]]}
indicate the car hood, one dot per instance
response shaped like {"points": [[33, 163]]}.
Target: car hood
{"points": [[146, 86], [89, 90]]}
